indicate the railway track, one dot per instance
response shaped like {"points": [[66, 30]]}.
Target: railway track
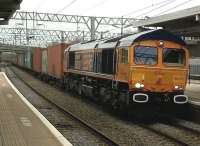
{"points": [[186, 135], [187, 132], [180, 134], [179, 142], [184, 124], [48, 105]]}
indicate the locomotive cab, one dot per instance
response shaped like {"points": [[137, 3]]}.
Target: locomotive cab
{"points": [[155, 67]]}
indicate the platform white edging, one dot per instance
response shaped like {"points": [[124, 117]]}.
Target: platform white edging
{"points": [[194, 102], [54, 131]]}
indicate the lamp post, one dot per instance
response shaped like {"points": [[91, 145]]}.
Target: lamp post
{"points": [[122, 26], [28, 58]]}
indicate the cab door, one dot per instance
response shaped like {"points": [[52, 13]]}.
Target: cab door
{"points": [[122, 72]]}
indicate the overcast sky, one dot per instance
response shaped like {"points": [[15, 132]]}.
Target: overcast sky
{"points": [[106, 8], [110, 8]]}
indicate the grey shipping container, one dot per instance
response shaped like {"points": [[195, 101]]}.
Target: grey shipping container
{"points": [[29, 63], [44, 61]]}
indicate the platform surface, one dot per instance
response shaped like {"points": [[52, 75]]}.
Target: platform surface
{"points": [[20, 123], [193, 90]]}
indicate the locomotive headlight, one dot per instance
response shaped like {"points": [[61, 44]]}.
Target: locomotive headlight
{"points": [[138, 85], [142, 85], [161, 43], [176, 87]]}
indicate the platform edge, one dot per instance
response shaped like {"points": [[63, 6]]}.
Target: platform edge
{"points": [[63, 141]]}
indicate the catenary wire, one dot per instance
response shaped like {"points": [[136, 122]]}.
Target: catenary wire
{"points": [[94, 6], [144, 8], [40, 5], [66, 6], [183, 3], [155, 9]]}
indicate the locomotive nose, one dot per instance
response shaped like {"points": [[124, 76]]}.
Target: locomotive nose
{"points": [[180, 99], [140, 98]]}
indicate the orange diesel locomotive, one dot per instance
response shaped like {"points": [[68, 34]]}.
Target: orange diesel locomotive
{"points": [[146, 67]]}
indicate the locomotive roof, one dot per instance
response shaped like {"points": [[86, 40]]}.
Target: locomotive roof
{"points": [[74, 47], [159, 34], [128, 40], [103, 43], [111, 43], [84, 46]]}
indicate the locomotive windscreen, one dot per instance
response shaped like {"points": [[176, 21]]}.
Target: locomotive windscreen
{"points": [[174, 57], [146, 55]]}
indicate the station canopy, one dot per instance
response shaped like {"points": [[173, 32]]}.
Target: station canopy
{"points": [[7, 9], [184, 22]]}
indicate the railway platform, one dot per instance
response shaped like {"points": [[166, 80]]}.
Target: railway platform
{"points": [[21, 124], [193, 91]]}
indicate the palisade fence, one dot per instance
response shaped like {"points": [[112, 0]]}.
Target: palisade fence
{"points": [[195, 71]]}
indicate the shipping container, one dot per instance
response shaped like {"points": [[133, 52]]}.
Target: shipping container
{"points": [[29, 62], [37, 60], [55, 60], [20, 59], [44, 61]]}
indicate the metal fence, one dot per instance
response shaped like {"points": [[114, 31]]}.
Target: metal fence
{"points": [[195, 72]]}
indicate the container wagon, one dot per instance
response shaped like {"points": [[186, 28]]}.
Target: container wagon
{"points": [[55, 55]]}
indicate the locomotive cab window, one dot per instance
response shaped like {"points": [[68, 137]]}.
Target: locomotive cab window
{"points": [[145, 55], [173, 57], [124, 55]]}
